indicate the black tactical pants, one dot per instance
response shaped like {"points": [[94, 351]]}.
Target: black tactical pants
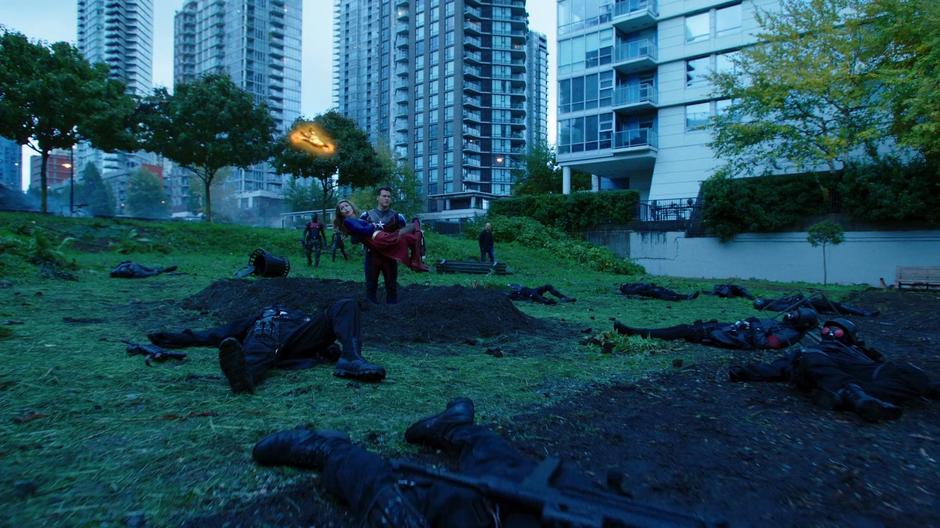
{"points": [[377, 264]]}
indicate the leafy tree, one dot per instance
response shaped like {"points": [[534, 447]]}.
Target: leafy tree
{"points": [[145, 196], [51, 97], [95, 193], [351, 160], [907, 34], [206, 125], [301, 197], [824, 233], [543, 175], [806, 97]]}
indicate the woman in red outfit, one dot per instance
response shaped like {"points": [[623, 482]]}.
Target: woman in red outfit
{"points": [[403, 245]]}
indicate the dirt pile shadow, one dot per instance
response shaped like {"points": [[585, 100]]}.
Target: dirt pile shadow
{"points": [[424, 314]]}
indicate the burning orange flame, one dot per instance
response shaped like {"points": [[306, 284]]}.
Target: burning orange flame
{"points": [[312, 139]]}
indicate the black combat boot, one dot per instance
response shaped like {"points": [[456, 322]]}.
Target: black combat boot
{"points": [[432, 431], [232, 361], [302, 448], [870, 409], [933, 392], [351, 364]]}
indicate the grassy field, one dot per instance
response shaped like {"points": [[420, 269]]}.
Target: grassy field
{"points": [[90, 436]]}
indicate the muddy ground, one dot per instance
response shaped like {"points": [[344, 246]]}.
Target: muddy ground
{"points": [[753, 454]]}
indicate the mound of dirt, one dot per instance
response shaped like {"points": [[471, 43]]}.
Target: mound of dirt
{"points": [[424, 313]]}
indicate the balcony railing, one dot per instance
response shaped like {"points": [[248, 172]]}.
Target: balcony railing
{"points": [[635, 94], [629, 7], [638, 49], [636, 138]]}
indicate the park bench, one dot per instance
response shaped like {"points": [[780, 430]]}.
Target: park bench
{"points": [[466, 266], [922, 277]]}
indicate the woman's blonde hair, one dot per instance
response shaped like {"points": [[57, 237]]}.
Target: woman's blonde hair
{"points": [[338, 216]]}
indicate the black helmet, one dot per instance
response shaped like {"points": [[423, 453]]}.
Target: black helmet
{"points": [[803, 318], [841, 330], [760, 303]]}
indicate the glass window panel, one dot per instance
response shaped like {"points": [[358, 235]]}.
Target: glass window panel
{"points": [[728, 20], [724, 63], [696, 27], [696, 71], [696, 116]]}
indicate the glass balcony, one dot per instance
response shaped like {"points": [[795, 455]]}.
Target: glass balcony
{"points": [[635, 56], [634, 15], [635, 96], [636, 138]]}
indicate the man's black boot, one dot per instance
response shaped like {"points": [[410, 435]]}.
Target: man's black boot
{"points": [[232, 362], [933, 392], [352, 365], [302, 448], [871, 409], [432, 431]]}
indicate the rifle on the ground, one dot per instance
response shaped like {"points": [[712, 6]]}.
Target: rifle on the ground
{"points": [[152, 352], [562, 507]]}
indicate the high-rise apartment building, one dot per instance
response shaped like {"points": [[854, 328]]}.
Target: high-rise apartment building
{"points": [[536, 119], [446, 83], [634, 99], [362, 80], [10, 170], [258, 44], [118, 33]]}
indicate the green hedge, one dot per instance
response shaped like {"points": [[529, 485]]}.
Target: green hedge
{"points": [[574, 212], [885, 192], [531, 233], [773, 203]]}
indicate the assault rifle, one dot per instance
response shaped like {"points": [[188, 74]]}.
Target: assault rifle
{"points": [[562, 507]]}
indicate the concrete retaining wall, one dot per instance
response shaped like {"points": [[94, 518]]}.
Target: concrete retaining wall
{"points": [[864, 256]]}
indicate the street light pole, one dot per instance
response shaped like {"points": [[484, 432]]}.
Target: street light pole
{"points": [[72, 181]]}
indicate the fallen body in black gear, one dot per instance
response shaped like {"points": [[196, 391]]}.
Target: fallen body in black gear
{"points": [[729, 291], [283, 338], [518, 292], [821, 305], [841, 373], [638, 289], [749, 334], [132, 270], [394, 494]]}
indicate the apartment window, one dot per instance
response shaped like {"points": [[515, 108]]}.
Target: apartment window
{"points": [[724, 62], [697, 27], [728, 20], [721, 106], [696, 71], [696, 116]]}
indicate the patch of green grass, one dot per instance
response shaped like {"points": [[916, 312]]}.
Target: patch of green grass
{"points": [[102, 435]]}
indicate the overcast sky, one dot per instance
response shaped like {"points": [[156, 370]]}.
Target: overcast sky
{"points": [[55, 20]]}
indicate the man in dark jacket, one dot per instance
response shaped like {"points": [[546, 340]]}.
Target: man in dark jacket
{"points": [[486, 243], [842, 373], [820, 304], [729, 291], [388, 495], [750, 334], [638, 289], [278, 337], [517, 292], [133, 270]]}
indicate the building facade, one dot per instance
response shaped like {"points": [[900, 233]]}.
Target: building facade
{"points": [[118, 33], [258, 44], [634, 99], [58, 169], [10, 170], [362, 80], [536, 119], [446, 83]]}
